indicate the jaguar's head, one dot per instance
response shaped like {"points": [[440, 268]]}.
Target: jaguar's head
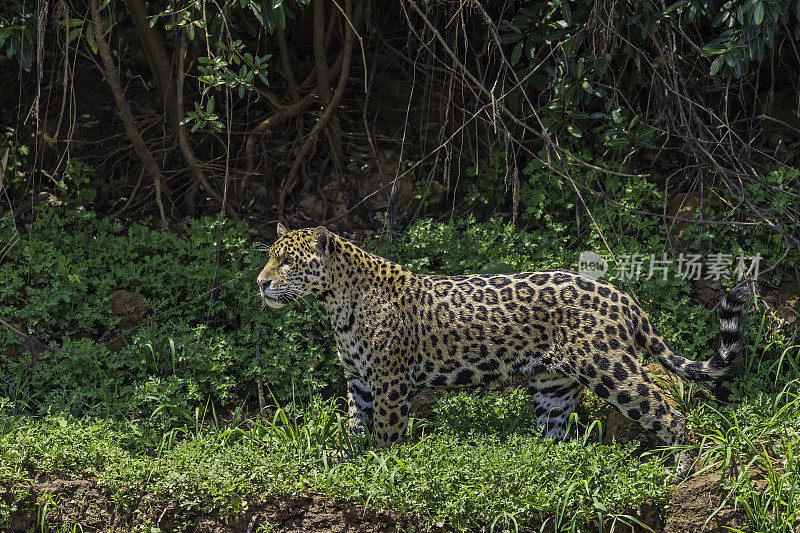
{"points": [[296, 266]]}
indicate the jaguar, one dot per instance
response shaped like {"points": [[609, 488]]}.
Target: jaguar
{"points": [[557, 332]]}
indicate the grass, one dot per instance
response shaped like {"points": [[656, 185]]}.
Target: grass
{"points": [[144, 421], [443, 477], [477, 463]]}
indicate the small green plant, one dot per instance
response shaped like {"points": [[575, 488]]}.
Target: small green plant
{"points": [[13, 164], [75, 185]]}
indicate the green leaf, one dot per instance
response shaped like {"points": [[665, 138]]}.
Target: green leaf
{"points": [[12, 47], [716, 64], [269, 16], [508, 38], [758, 13], [75, 32], [574, 130], [675, 6], [616, 143], [90, 38], [516, 53], [210, 106], [72, 23], [280, 16], [566, 11], [580, 68], [616, 116]]}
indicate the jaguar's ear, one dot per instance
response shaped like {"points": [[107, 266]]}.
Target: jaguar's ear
{"points": [[281, 229], [321, 241]]}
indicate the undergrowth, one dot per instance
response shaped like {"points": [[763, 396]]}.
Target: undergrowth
{"points": [[476, 463], [165, 411]]}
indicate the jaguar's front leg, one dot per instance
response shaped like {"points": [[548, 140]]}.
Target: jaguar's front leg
{"points": [[392, 404], [359, 400]]}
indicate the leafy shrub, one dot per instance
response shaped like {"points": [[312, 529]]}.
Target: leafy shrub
{"points": [[506, 413], [75, 185], [555, 49], [59, 279], [465, 246], [554, 205], [774, 193], [196, 348]]}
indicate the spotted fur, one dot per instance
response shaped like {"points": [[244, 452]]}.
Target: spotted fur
{"points": [[558, 330]]}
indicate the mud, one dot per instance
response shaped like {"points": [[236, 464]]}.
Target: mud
{"points": [[63, 503], [694, 508]]}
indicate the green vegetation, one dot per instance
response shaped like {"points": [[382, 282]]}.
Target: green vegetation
{"points": [[163, 406], [143, 144], [478, 462], [441, 476], [197, 346], [165, 413]]}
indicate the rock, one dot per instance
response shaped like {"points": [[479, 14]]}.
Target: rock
{"points": [[788, 301], [376, 183], [694, 501], [650, 515], [619, 428], [313, 207], [706, 292], [330, 208], [131, 309]]}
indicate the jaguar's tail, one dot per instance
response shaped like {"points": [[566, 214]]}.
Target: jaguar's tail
{"points": [[729, 343]]}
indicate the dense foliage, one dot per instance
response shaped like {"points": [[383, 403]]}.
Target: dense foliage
{"points": [[575, 54], [147, 146], [197, 345], [179, 386]]}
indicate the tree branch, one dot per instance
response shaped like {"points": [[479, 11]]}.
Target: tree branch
{"points": [[291, 178], [112, 77]]}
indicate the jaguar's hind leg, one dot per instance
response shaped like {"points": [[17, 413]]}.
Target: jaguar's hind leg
{"points": [[555, 397], [618, 377]]}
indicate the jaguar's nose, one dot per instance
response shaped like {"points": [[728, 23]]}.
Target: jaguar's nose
{"points": [[264, 283]]}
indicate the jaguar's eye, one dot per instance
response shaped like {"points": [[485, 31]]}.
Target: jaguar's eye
{"points": [[286, 261]]}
